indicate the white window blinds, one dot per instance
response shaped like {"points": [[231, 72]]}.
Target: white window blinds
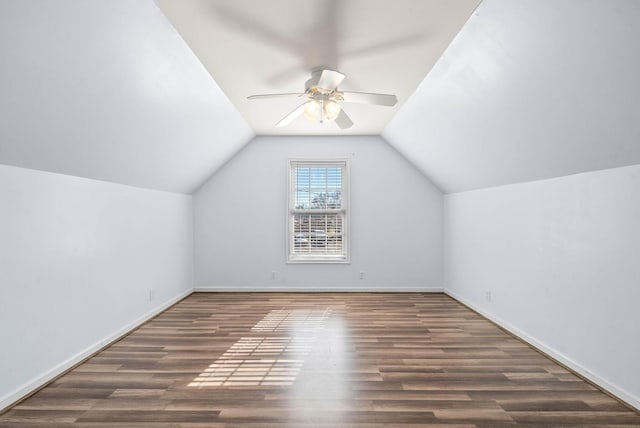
{"points": [[318, 203]]}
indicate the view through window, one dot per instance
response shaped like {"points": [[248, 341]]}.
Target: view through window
{"points": [[318, 201]]}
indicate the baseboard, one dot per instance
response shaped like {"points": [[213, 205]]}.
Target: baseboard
{"points": [[27, 389], [609, 388], [316, 289]]}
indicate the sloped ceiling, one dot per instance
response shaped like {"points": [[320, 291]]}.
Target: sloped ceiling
{"points": [[257, 47], [528, 90], [107, 89]]}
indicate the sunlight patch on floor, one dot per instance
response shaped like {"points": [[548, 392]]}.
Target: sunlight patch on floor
{"points": [[297, 319], [267, 361]]}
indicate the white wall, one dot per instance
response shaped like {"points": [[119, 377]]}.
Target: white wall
{"points": [[528, 90], [77, 260], [561, 258], [396, 221], [117, 89]]}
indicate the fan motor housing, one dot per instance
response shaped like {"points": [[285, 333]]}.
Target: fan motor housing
{"points": [[311, 85]]}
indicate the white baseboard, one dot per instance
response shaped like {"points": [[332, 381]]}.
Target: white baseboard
{"points": [[321, 289], [28, 388], [605, 385]]}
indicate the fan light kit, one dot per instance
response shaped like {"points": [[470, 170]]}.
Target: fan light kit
{"points": [[324, 100]]}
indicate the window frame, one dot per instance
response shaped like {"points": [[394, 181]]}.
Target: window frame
{"points": [[345, 210]]}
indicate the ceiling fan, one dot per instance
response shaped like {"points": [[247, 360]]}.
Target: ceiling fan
{"points": [[324, 100]]}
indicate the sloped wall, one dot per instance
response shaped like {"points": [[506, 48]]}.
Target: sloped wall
{"points": [[108, 90], [241, 221], [561, 259], [528, 90], [78, 260]]}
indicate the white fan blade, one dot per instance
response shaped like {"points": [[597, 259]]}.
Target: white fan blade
{"points": [[291, 116], [329, 80], [263, 96], [369, 98], [343, 120]]}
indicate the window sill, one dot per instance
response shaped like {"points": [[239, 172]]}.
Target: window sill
{"points": [[319, 260]]}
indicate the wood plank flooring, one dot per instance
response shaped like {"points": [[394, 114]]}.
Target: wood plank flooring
{"points": [[319, 359]]}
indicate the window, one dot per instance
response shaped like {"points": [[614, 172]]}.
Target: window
{"points": [[318, 211]]}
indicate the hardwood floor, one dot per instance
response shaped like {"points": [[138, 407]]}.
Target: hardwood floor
{"points": [[325, 359]]}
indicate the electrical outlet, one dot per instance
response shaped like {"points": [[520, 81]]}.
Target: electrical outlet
{"points": [[487, 296], [361, 275], [273, 274], [152, 294]]}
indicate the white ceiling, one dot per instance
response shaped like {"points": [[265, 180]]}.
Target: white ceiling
{"points": [[107, 90], [528, 90], [257, 46]]}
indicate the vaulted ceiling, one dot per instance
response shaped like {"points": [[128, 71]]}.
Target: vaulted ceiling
{"points": [[261, 47], [528, 90], [110, 90]]}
